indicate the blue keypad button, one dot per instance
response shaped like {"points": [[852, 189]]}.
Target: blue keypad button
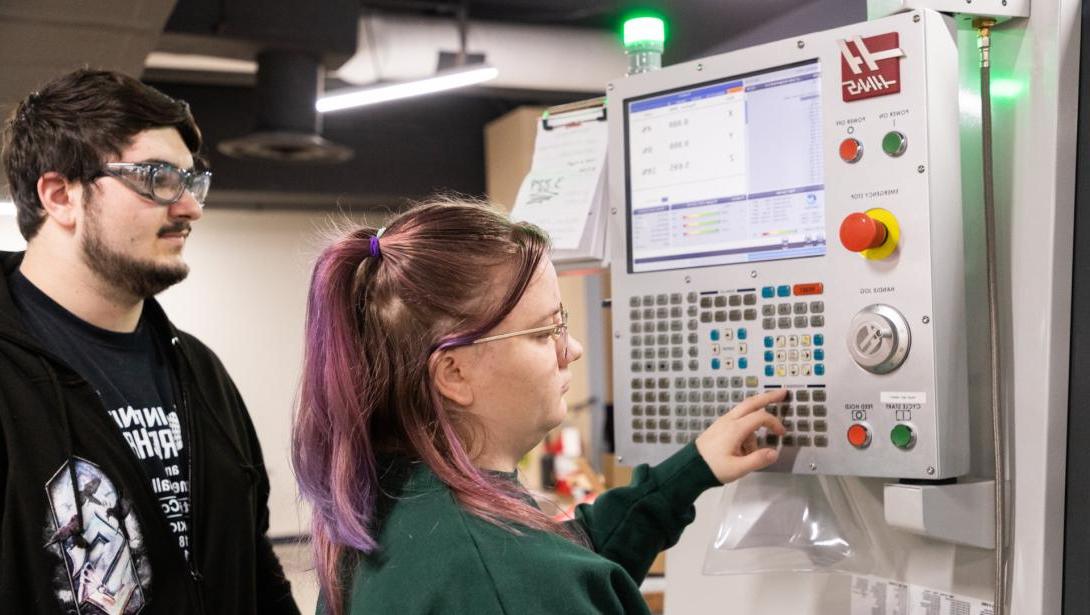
{"points": [[783, 291], [742, 333], [767, 292], [743, 363], [715, 335], [819, 340], [770, 356], [770, 371], [768, 341], [819, 369], [819, 354], [716, 364]]}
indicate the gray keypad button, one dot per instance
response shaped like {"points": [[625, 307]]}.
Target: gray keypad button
{"points": [[693, 351], [662, 326], [735, 315], [784, 322], [817, 321], [675, 338], [720, 301], [721, 316], [637, 397], [705, 302], [636, 327], [648, 383], [722, 382], [787, 410], [705, 317], [709, 396], [676, 352], [800, 307], [751, 393], [773, 409], [768, 309], [664, 396], [694, 365], [661, 300], [675, 325], [800, 322], [693, 338], [682, 438], [694, 395], [768, 323], [637, 410], [637, 383], [802, 425], [722, 396], [820, 410], [783, 309], [675, 298], [680, 423], [736, 396], [694, 382], [648, 339], [735, 300], [695, 424], [648, 313], [679, 382], [692, 325], [634, 315], [750, 314], [637, 340], [817, 307], [634, 302], [819, 394], [664, 366], [751, 381], [675, 312], [637, 366], [652, 438], [663, 352], [665, 438], [707, 382], [637, 438], [821, 441], [804, 440], [788, 424], [721, 410], [802, 410], [691, 297], [664, 382], [708, 423], [802, 395], [692, 311], [637, 423], [749, 299], [663, 338], [664, 423], [648, 366], [709, 410], [661, 312], [821, 426], [664, 410]]}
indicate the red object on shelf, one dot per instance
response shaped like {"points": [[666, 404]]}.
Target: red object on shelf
{"points": [[860, 232]]}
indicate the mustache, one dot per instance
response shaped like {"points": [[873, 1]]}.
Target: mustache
{"points": [[180, 226]]}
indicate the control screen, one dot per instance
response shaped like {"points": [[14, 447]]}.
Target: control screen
{"points": [[726, 172]]}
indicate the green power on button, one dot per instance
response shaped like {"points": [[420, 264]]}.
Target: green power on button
{"points": [[903, 437]]}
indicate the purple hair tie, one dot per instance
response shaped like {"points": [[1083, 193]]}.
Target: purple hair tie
{"points": [[375, 251]]}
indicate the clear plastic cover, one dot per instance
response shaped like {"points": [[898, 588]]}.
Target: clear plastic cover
{"points": [[788, 523]]}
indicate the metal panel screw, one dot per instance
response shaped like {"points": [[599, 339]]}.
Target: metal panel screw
{"points": [[753, 274], [620, 459], [926, 319], [801, 44], [617, 335], [613, 211], [699, 67], [930, 470], [609, 87], [920, 169], [916, 18], [688, 279], [813, 466]]}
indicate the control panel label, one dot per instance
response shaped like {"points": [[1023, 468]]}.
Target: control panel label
{"points": [[870, 66], [891, 398]]}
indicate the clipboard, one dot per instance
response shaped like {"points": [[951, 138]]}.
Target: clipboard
{"points": [[589, 110]]}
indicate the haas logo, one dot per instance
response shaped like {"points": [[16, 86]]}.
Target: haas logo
{"points": [[870, 67]]}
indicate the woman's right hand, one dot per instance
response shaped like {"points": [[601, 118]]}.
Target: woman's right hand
{"points": [[729, 446]]}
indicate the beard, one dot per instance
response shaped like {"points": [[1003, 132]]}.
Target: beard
{"points": [[139, 278]]}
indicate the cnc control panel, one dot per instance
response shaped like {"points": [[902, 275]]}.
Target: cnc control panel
{"points": [[789, 216]]}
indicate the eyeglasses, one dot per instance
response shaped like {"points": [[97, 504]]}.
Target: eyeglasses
{"points": [[559, 333], [161, 182]]}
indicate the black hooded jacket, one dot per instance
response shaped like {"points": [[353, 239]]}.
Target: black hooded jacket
{"points": [[79, 522]]}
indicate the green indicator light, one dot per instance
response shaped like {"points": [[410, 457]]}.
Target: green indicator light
{"points": [[894, 143], [644, 32], [902, 437], [1005, 88]]}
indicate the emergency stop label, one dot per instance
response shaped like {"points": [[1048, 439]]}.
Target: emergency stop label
{"points": [[870, 66]]}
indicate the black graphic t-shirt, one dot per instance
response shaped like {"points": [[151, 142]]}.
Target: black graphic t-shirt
{"points": [[132, 375]]}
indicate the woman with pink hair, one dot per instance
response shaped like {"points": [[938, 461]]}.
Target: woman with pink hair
{"points": [[437, 355]]}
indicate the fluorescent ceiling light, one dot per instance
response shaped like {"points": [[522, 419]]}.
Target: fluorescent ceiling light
{"points": [[346, 99], [7, 208]]}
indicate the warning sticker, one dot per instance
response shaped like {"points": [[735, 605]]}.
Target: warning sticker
{"points": [[878, 596]]}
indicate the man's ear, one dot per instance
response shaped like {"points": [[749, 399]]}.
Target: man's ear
{"points": [[452, 378], [60, 198]]}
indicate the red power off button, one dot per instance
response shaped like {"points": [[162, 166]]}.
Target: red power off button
{"points": [[859, 436], [851, 150]]}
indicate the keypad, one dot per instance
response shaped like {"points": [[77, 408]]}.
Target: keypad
{"points": [[804, 423]]}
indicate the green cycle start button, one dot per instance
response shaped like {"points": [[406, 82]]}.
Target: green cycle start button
{"points": [[903, 437]]}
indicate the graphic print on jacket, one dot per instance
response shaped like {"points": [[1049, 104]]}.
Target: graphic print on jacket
{"points": [[101, 565]]}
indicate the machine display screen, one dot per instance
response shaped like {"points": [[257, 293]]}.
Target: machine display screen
{"points": [[727, 172]]}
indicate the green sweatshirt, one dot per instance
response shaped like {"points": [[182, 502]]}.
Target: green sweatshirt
{"points": [[435, 557]]}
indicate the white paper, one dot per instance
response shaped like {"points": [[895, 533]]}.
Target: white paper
{"points": [[564, 182], [878, 596]]}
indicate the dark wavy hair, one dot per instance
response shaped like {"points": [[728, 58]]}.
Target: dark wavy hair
{"points": [[374, 326], [73, 124]]}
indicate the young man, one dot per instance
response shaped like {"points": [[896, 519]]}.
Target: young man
{"points": [[131, 479]]}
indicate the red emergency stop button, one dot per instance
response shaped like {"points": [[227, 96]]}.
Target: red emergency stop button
{"points": [[859, 436], [860, 231], [851, 150]]}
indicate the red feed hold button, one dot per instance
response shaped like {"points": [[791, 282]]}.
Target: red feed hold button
{"points": [[859, 436], [860, 232], [851, 150]]}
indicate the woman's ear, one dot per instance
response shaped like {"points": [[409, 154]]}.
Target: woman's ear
{"points": [[452, 377]]}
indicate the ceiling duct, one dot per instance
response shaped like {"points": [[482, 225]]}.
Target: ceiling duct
{"points": [[288, 125]]}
